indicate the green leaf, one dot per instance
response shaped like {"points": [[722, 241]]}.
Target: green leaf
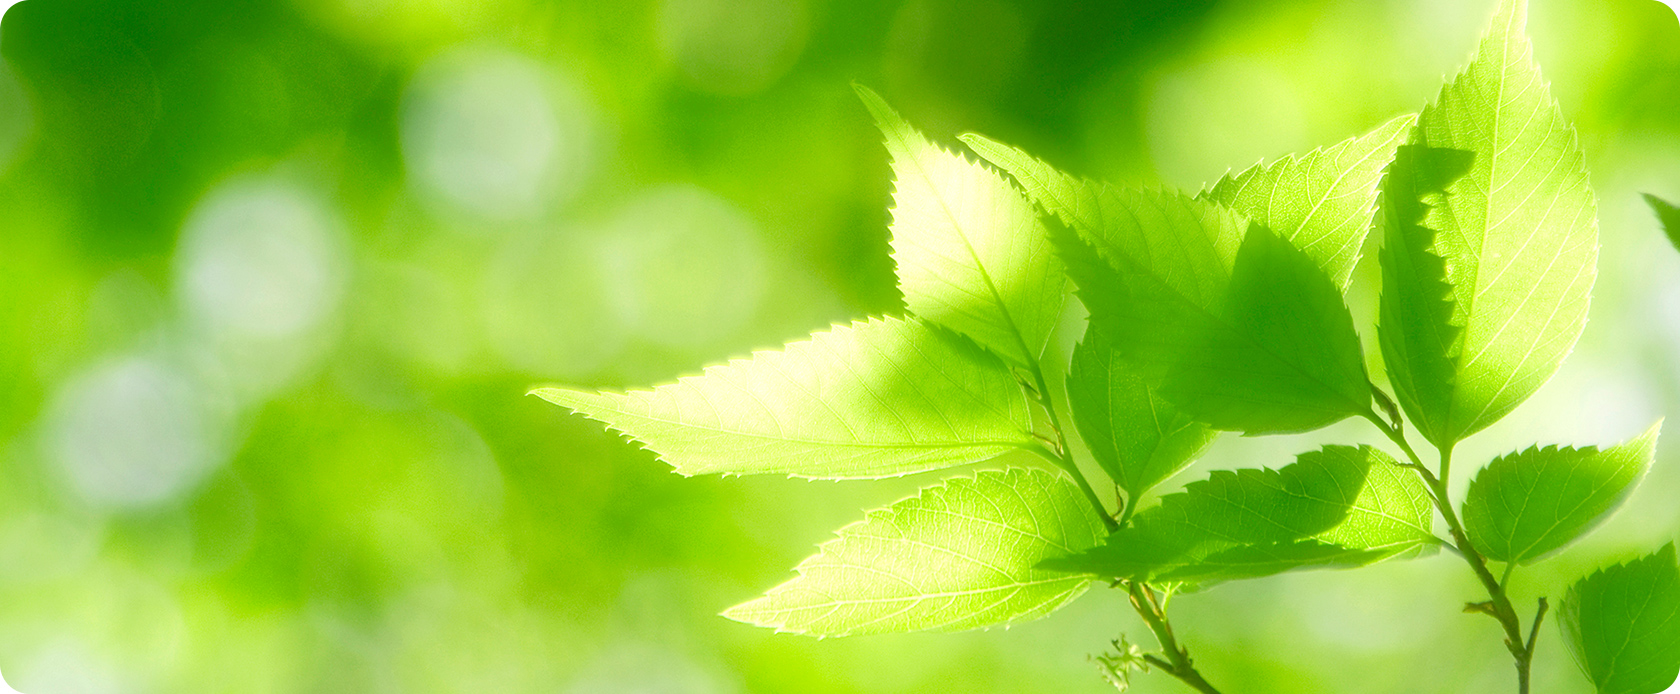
{"points": [[1623, 625], [1339, 506], [960, 555], [1137, 437], [1525, 505], [1492, 243], [879, 398], [972, 254], [1321, 202], [1669, 216], [1229, 322]]}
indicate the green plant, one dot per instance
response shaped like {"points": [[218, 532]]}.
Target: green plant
{"points": [[1219, 311]]}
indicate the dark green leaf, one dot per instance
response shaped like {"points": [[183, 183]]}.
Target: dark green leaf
{"points": [[1525, 505], [1668, 215], [1227, 321], [1623, 625], [1136, 436], [960, 555], [1337, 506]]}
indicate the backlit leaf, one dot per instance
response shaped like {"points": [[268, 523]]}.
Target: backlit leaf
{"points": [[1321, 201], [1136, 436], [960, 555], [1339, 506], [1525, 505], [1492, 242], [1623, 625], [972, 254], [1668, 215], [878, 398]]}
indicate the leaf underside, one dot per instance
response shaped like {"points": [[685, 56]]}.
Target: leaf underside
{"points": [[960, 555], [1136, 436], [1492, 243], [972, 254], [1340, 506], [879, 398], [1622, 624], [1526, 505]]}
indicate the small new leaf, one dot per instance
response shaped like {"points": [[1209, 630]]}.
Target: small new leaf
{"points": [[960, 555], [1136, 436], [1339, 506], [972, 254], [1492, 243], [1623, 625], [1526, 505], [1668, 215], [1227, 320], [879, 398], [1321, 201]]}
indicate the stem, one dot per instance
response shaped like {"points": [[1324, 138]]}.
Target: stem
{"points": [[1521, 651], [1178, 662], [1063, 455]]}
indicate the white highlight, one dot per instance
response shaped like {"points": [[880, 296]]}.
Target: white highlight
{"points": [[6, 688], [494, 135], [132, 433]]}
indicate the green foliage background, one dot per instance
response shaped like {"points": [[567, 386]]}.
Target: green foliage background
{"points": [[275, 274]]}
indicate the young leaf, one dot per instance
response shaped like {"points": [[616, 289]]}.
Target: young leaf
{"points": [[1623, 625], [1137, 437], [972, 254], [1669, 216], [1510, 246], [1322, 201], [880, 398], [1525, 505], [1339, 506], [1230, 323], [960, 555]]}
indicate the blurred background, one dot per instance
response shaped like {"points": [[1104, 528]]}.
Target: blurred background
{"points": [[275, 276]]}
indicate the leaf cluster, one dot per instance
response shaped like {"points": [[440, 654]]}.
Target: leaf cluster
{"points": [[1216, 311]]}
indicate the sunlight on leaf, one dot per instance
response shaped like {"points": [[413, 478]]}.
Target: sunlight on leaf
{"points": [[1137, 437], [972, 254], [1516, 237], [1525, 505], [960, 555], [879, 398]]}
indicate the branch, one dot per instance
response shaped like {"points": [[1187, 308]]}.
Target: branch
{"points": [[1178, 662]]}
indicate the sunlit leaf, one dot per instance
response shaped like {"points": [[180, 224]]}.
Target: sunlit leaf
{"points": [[1228, 321], [1525, 505], [960, 555], [1136, 436], [972, 254], [1321, 201], [1623, 625], [1668, 215], [1492, 242], [878, 398], [1339, 506]]}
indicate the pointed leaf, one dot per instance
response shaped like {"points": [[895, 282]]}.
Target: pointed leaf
{"points": [[1516, 234], [1136, 436], [1339, 506], [1523, 506], [960, 555], [972, 254], [879, 398], [1234, 326], [1322, 201], [1623, 625], [1669, 216]]}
